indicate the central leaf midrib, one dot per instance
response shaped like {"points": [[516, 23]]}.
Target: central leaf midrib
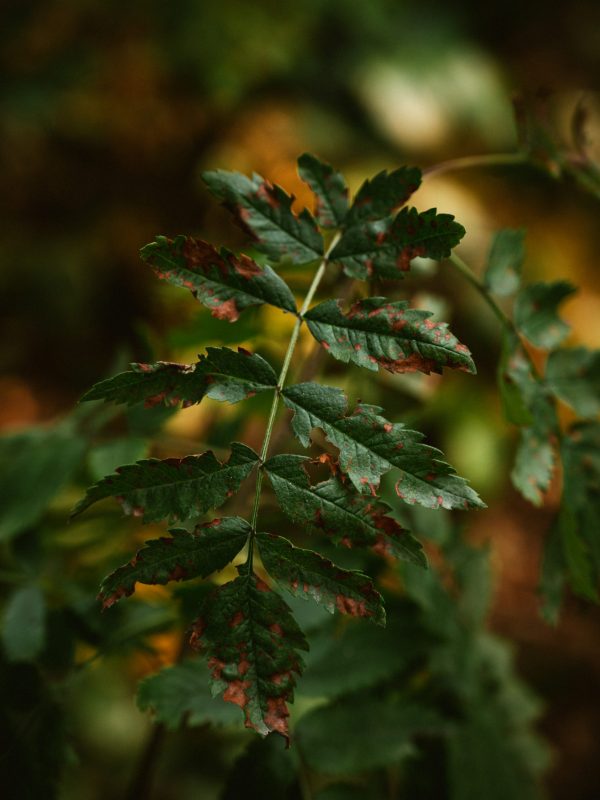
{"points": [[385, 334], [259, 210]]}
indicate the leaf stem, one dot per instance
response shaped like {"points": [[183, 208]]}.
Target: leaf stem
{"points": [[472, 278], [280, 384], [470, 162], [505, 320]]}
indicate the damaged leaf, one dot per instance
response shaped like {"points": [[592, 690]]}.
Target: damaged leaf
{"points": [[335, 508], [182, 556], [385, 248], [175, 488], [223, 282], [307, 574], [252, 643], [380, 196], [265, 211], [536, 313], [222, 374], [376, 332], [370, 445], [330, 190]]}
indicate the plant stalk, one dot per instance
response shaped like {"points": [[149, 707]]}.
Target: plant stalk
{"points": [[280, 384]]}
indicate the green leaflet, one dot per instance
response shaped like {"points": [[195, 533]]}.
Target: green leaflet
{"points": [[534, 465], [223, 282], [386, 247], [573, 375], [153, 384], [266, 212], [536, 313], [370, 446], [181, 693], [222, 374], [380, 196], [183, 556], [527, 404], [363, 732], [503, 271], [329, 186], [34, 466], [306, 573], [376, 332], [335, 508], [24, 624], [176, 488], [366, 654], [252, 640], [579, 520]]}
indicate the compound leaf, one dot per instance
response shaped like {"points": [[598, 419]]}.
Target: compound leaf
{"points": [[386, 247], [222, 374], [503, 270], [223, 282], [181, 693], [573, 375], [335, 508], [380, 196], [252, 640], [330, 190], [370, 445], [266, 212], [175, 488], [307, 574], [376, 332], [535, 313], [182, 556]]}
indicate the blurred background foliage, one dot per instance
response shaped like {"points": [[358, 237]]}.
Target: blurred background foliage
{"points": [[109, 112]]}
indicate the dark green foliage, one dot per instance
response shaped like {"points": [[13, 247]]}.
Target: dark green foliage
{"points": [[370, 446], [24, 624], [34, 466], [386, 247], [223, 282], [573, 375], [265, 211], [534, 465], [180, 694], [378, 197], [251, 640], [305, 573], [327, 736], [335, 508], [183, 556], [536, 313], [175, 488], [376, 332], [329, 186], [503, 271]]}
